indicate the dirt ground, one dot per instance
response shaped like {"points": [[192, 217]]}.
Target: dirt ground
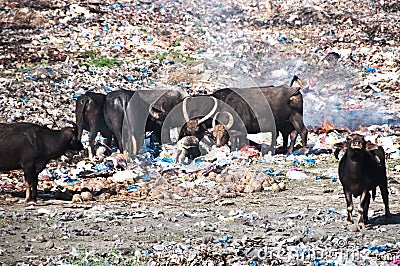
{"points": [[308, 214]]}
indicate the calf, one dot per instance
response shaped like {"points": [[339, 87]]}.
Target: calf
{"points": [[361, 169], [90, 116], [188, 146], [30, 147], [220, 131]]}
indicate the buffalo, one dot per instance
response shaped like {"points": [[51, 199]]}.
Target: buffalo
{"points": [[282, 104], [146, 111], [361, 169], [115, 105], [30, 147], [90, 116], [247, 111]]}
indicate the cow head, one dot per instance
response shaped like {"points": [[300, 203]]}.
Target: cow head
{"points": [[196, 127], [355, 142], [72, 137], [160, 108], [193, 128], [220, 131]]}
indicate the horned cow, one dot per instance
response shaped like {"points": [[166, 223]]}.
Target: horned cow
{"points": [[282, 104], [30, 147], [361, 169]]}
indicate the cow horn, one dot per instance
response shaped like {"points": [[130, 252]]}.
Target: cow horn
{"points": [[298, 80], [184, 110], [211, 112], [230, 121], [215, 119]]}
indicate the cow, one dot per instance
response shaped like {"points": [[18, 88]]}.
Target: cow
{"points": [[114, 112], [296, 102], [90, 116], [361, 169], [253, 110], [195, 126], [30, 147], [145, 111], [187, 147], [220, 131], [285, 104]]}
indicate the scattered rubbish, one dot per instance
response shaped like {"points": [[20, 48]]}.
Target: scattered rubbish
{"points": [[296, 175], [351, 82]]}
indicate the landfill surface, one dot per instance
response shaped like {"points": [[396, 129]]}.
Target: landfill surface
{"points": [[226, 207]]}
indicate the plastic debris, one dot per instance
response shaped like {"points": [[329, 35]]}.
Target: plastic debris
{"points": [[351, 82]]}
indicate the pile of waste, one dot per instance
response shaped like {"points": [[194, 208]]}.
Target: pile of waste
{"points": [[346, 52]]}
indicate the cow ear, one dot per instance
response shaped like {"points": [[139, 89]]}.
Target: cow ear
{"points": [[371, 146], [340, 145]]}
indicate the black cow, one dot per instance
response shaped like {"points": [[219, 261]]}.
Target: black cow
{"points": [[114, 112], [90, 116], [361, 169], [30, 147], [144, 110], [253, 110], [284, 106]]}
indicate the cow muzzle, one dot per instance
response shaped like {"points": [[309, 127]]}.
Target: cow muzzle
{"points": [[357, 145]]}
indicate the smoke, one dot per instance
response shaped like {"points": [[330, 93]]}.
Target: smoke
{"points": [[246, 58]]}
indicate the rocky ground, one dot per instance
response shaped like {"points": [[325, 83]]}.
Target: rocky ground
{"points": [[235, 208]]}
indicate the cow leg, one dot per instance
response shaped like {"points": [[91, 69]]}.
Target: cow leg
{"points": [[297, 122], [349, 202], [34, 194], [284, 148], [80, 131], [30, 183], [363, 209], [293, 138], [178, 153], [285, 137], [92, 138], [134, 145], [385, 197], [234, 142], [241, 142], [118, 136]]}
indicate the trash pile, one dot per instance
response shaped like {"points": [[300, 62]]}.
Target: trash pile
{"points": [[347, 52]]}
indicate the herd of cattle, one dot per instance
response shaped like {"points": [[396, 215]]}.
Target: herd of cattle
{"points": [[125, 116]]}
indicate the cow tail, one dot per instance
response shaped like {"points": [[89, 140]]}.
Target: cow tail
{"points": [[80, 122], [373, 193]]}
